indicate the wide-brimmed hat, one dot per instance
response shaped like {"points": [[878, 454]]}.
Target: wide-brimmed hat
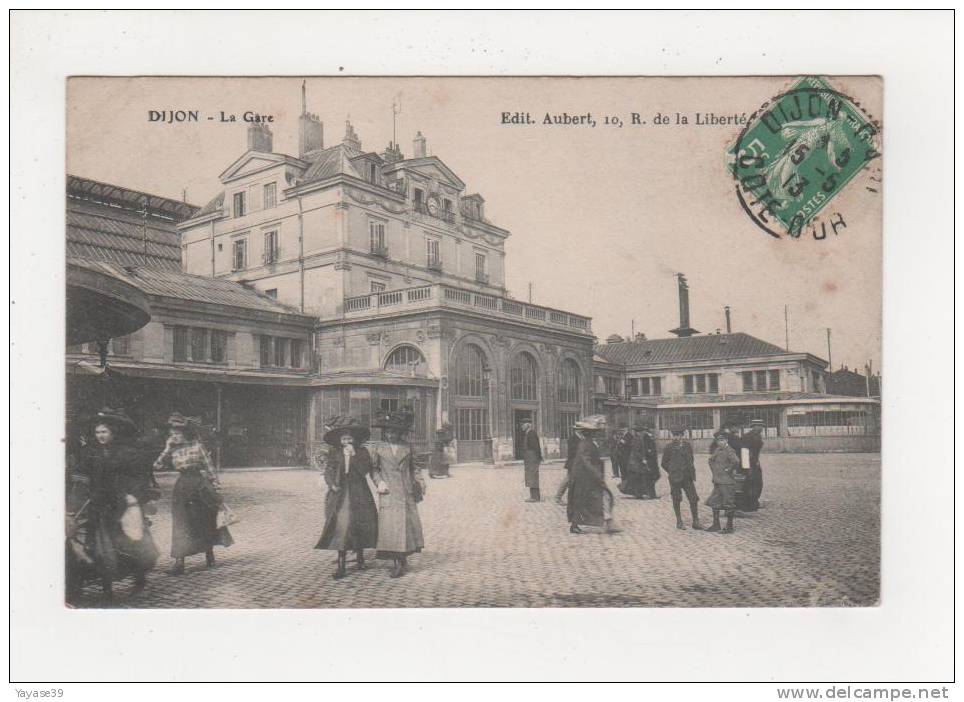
{"points": [[720, 433], [346, 425], [400, 420], [595, 422], [116, 419]]}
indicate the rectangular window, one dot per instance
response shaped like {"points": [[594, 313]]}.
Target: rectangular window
{"points": [[472, 424], [280, 352], [646, 386], [418, 199], [120, 346], [688, 384], [239, 260], [747, 381], [700, 383], [267, 346], [270, 195], [297, 353], [657, 386], [199, 344], [774, 379], [714, 379], [566, 420], [271, 250], [219, 346], [180, 344], [760, 380], [480, 267], [373, 173], [239, 209], [377, 286], [376, 234], [612, 386], [433, 253], [388, 404]]}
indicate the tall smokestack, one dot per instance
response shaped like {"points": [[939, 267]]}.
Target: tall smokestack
{"points": [[729, 328], [684, 329], [311, 131]]}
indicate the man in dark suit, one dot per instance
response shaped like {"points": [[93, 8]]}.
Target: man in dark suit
{"points": [[679, 467], [532, 458]]}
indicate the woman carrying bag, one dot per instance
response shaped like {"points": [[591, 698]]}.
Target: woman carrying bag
{"points": [[351, 518], [196, 500], [118, 538]]}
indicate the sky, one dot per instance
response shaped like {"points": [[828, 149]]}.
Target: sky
{"points": [[601, 218]]}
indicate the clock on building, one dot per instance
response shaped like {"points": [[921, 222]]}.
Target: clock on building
{"points": [[433, 206]]}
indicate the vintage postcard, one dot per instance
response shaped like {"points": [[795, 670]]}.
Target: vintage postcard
{"points": [[473, 342]]}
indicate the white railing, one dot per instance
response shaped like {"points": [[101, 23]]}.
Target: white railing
{"points": [[444, 295]]}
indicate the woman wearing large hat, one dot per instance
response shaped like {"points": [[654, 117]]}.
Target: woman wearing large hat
{"points": [[196, 498], [590, 500], [402, 488], [111, 529], [351, 518]]}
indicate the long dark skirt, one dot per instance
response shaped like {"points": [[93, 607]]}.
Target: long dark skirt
{"points": [[351, 519], [589, 499], [635, 482], [194, 511]]}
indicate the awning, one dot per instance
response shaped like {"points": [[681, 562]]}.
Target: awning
{"points": [[101, 305]]}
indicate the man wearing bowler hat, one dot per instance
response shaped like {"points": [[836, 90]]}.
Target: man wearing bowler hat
{"points": [[532, 459], [749, 499]]}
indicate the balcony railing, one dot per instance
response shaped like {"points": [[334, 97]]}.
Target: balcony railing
{"points": [[445, 296], [380, 250], [447, 216], [435, 264], [482, 278]]}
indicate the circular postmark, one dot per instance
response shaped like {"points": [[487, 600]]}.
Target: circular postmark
{"points": [[797, 152]]}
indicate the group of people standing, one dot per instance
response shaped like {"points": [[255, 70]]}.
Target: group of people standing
{"points": [[737, 481], [111, 492], [354, 474]]}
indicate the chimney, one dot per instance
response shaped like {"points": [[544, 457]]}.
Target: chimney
{"points": [[311, 131], [729, 328], [418, 146], [351, 137], [259, 138], [684, 329]]}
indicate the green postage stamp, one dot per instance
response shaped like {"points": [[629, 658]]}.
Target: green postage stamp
{"points": [[798, 151]]}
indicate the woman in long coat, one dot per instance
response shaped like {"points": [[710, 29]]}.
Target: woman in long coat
{"points": [[635, 480], [117, 534], [351, 518], [401, 488], [590, 501], [724, 464], [196, 498]]}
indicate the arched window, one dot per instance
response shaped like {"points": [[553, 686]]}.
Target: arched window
{"points": [[406, 359], [522, 377], [470, 372], [569, 382]]}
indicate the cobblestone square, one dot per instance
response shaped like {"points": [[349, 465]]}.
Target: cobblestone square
{"points": [[814, 542]]}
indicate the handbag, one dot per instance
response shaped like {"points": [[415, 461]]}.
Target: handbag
{"points": [[227, 516]]}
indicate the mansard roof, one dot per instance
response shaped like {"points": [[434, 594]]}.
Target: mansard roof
{"points": [[709, 347]]}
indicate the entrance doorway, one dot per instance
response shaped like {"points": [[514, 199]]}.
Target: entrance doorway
{"points": [[518, 417]]}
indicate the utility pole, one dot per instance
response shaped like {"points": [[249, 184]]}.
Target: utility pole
{"points": [[829, 354], [786, 324]]}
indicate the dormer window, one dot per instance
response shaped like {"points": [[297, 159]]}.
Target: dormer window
{"points": [[419, 195], [373, 173]]}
